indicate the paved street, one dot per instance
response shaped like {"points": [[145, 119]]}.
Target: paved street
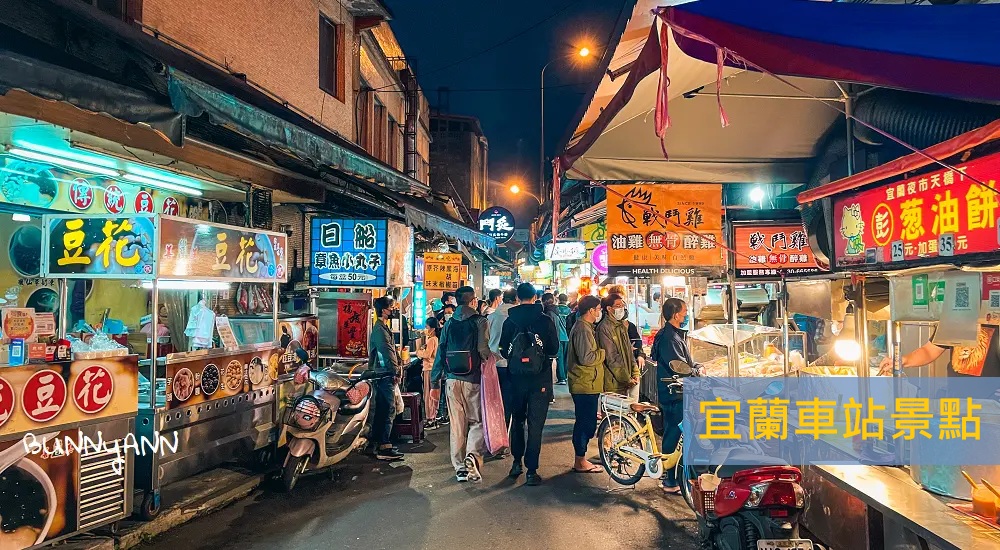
{"points": [[417, 504]]}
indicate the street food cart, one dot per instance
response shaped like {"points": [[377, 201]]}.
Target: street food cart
{"points": [[213, 396], [932, 232]]}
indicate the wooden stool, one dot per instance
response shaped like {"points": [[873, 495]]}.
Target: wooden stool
{"points": [[409, 425]]}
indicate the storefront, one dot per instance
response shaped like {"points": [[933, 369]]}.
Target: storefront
{"points": [[929, 231]]}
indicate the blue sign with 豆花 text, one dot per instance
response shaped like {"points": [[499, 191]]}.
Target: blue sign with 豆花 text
{"points": [[348, 252]]}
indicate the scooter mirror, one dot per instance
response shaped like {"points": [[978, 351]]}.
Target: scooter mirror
{"points": [[774, 388], [680, 367], [302, 374]]}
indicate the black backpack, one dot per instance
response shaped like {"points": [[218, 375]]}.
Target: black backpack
{"points": [[462, 357], [526, 356]]}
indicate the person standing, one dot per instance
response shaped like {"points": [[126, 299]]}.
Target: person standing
{"points": [[462, 349], [496, 322], [427, 353], [621, 370], [384, 360], [494, 298], [552, 310], [585, 361], [529, 342], [669, 345]]}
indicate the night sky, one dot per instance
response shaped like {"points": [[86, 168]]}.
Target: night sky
{"points": [[437, 34]]}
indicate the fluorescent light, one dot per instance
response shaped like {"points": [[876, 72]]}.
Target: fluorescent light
{"points": [[174, 284], [21, 217], [85, 157], [65, 163], [156, 182], [756, 194]]}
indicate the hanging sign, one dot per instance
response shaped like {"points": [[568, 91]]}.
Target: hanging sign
{"points": [[196, 250], [599, 258], [348, 252], [497, 222], [442, 271], [99, 247], [665, 229], [594, 233], [769, 250], [565, 251], [929, 218]]}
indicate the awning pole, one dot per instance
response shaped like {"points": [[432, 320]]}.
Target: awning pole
{"points": [[849, 120], [734, 353]]}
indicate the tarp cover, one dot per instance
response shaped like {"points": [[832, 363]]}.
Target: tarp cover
{"points": [[57, 83]]}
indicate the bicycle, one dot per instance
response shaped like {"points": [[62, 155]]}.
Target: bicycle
{"points": [[627, 440]]}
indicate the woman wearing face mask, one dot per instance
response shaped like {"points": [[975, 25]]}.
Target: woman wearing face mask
{"points": [[621, 372]]}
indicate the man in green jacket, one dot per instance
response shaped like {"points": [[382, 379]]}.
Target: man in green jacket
{"points": [[621, 368], [585, 362]]}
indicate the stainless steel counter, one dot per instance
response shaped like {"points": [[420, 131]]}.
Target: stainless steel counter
{"points": [[909, 514]]}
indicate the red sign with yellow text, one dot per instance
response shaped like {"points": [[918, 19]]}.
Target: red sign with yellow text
{"points": [[938, 214], [770, 250]]}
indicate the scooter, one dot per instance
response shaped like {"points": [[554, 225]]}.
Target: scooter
{"points": [[746, 500], [324, 426]]}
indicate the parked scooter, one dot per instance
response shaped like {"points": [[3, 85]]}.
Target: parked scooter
{"points": [[746, 500], [322, 427]]}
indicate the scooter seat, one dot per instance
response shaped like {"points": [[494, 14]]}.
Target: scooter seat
{"points": [[643, 407], [744, 460]]}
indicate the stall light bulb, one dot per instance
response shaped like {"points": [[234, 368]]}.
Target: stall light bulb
{"points": [[756, 194], [20, 217], [848, 350]]}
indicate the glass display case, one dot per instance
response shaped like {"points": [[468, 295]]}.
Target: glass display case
{"points": [[759, 349]]}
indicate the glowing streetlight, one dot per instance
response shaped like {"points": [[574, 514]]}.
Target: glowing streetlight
{"points": [[515, 188], [584, 52]]}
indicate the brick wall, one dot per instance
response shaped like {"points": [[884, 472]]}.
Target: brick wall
{"points": [[276, 44]]}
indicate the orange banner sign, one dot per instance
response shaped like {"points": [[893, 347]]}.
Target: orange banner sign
{"points": [[665, 229], [765, 251]]}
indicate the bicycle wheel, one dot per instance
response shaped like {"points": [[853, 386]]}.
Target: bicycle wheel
{"points": [[624, 469], [683, 476]]}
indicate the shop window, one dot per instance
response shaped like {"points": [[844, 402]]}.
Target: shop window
{"points": [[126, 10], [331, 57], [392, 145], [378, 136]]}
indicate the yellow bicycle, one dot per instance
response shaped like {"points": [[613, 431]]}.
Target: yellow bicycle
{"points": [[627, 440]]}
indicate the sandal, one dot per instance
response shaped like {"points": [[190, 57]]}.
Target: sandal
{"points": [[671, 490], [594, 469]]}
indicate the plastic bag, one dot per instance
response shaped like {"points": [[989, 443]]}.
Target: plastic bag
{"points": [[399, 400]]}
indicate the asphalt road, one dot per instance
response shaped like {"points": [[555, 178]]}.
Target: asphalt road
{"points": [[416, 503]]}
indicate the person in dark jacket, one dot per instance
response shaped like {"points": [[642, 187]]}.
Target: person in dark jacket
{"points": [[669, 345], [529, 396], [468, 441], [552, 310], [385, 361]]}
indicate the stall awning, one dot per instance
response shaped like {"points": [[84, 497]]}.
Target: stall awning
{"points": [[192, 97], [422, 217], [774, 128]]}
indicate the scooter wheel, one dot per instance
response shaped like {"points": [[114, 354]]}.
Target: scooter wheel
{"points": [[150, 507], [295, 466]]}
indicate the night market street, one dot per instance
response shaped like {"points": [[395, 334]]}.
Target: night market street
{"points": [[418, 504]]}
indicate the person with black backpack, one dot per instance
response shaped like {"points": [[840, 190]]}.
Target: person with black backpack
{"points": [[463, 347], [530, 343]]}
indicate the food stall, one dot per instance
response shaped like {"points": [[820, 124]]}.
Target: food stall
{"points": [[215, 396], [931, 232]]}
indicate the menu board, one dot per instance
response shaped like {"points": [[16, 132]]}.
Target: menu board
{"points": [[766, 251], [96, 247], [929, 218], [201, 379], [665, 229], [348, 252], [197, 250]]}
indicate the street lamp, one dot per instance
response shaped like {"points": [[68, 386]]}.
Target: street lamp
{"points": [[582, 52], [516, 189]]}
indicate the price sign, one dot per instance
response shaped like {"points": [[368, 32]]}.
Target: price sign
{"points": [[946, 244], [897, 251]]}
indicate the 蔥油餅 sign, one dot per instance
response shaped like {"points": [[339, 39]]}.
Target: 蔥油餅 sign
{"points": [[665, 229], [348, 252], [927, 218]]}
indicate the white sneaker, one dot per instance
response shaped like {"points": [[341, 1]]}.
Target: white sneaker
{"points": [[462, 476], [472, 465]]}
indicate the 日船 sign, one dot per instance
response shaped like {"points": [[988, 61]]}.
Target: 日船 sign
{"points": [[497, 222], [348, 252], [939, 214], [665, 229]]}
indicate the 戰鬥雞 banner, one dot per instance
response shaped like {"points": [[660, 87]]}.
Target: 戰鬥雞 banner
{"points": [[768, 251], [348, 252], [925, 218], [665, 229]]}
